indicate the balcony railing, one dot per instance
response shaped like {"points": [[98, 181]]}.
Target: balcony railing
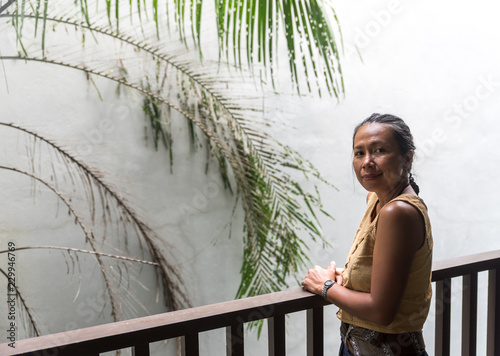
{"points": [[138, 333]]}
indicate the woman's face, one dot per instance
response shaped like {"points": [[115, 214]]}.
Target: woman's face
{"points": [[377, 161]]}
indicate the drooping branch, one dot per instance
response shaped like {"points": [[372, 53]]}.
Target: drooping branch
{"points": [[262, 191], [269, 194], [31, 317], [175, 296], [89, 238], [79, 250]]}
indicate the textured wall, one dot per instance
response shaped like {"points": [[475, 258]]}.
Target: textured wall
{"points": [[435, 64]]}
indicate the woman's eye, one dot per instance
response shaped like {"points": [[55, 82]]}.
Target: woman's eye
{"points": [[379, 150], [358, 153]]}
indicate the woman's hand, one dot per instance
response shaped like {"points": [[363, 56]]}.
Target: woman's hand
{"points": [[338, 276], [316, 277]]}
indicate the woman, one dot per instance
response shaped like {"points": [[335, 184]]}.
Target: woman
{"points": [[384, 291]]}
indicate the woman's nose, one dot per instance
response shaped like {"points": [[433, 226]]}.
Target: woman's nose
{"points": [[367, 162]]}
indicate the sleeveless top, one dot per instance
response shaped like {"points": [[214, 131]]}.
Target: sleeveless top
{"points": [[357, 272]]}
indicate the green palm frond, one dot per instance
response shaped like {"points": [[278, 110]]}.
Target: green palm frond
{"points": [[255, 27], [248, 32], [279, 213]]}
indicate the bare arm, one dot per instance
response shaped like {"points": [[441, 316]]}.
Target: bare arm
{"points": [[400, 233]]}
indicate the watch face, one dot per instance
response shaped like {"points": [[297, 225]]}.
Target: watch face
{"points": [[328, 283]]}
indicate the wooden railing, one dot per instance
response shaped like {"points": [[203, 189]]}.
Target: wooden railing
{"points": [[187, 324], [467, 267]]}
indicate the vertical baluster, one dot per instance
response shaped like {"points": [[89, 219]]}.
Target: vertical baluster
{"points": [[140, 350], [469, 315], [190, 345], [443, 317], [315, 339], [235, 340], [493, 333], [276, 332]]}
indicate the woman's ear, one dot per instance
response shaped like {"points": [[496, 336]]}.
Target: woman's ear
{"points": [[408, 162]]}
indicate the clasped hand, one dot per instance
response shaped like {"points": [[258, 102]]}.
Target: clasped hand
{"points": [[316, 277]]}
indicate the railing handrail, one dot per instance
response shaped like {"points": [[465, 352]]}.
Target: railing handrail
{"points": [[172, 324], [128, 333], [460, 266]]}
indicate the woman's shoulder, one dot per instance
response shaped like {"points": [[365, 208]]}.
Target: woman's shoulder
{"points": [[410, 200], [405, 211], [403, 216], [401, 209]]}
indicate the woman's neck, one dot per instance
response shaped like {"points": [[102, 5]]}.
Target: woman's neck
{"points": [[400, 188]]}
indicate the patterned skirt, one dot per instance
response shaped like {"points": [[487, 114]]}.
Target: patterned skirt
{"points": [[358, 341]]}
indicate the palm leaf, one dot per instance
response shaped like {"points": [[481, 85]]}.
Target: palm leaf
{"points": [[105, 207], [253, 27], [270, 195]]}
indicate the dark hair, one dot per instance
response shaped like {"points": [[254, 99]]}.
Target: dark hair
{"points": [[402, 134]]}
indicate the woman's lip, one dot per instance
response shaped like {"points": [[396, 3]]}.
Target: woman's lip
{"points": [[371, 176]]}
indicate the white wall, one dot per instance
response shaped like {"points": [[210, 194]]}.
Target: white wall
{"points": [[435, 65], [432, 63]]}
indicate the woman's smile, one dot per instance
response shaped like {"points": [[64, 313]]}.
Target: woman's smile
{"points": [[371, 176]]}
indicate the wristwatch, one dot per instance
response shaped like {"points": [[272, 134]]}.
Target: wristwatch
{"points": [[327, 286]]}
